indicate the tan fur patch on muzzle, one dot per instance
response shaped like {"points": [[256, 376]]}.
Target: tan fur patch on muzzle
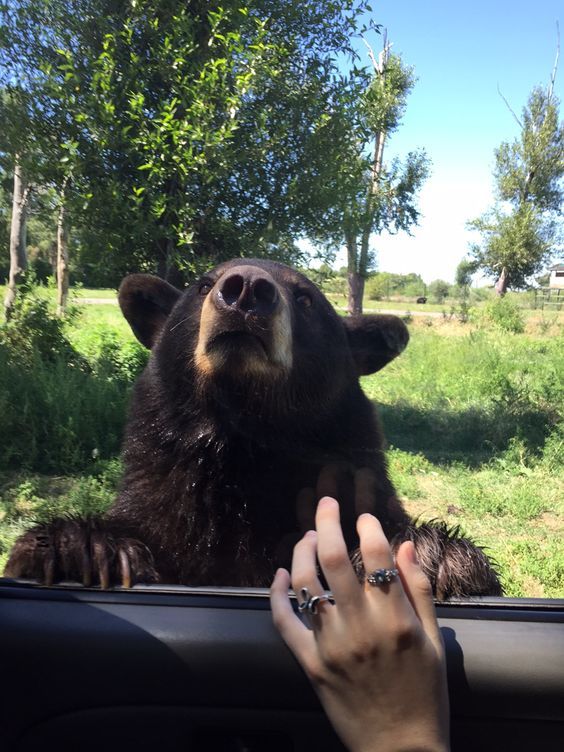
{"points": [[278, 343]]}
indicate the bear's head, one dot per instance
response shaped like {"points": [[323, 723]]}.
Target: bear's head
{"points": [[250, 326]]}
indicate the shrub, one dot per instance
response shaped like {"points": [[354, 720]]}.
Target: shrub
{"points": [[439, 290], [58, 411], [33, 331], [553, 450], [56, 418], [505, 315], [119, 360]]}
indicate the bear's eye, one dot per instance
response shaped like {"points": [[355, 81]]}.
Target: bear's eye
{"points": [[204, 288], [303, 299]]}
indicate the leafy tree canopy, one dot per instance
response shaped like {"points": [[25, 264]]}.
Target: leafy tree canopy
{"points": [[523, 229], [185, 133]]}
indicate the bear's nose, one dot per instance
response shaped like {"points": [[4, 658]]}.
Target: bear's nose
{"points": [[248, 289]]}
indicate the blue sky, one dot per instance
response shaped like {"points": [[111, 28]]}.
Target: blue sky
{"points": [[461, 52]]}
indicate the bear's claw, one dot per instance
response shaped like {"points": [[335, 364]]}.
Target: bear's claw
{"points": [[80, 550]]}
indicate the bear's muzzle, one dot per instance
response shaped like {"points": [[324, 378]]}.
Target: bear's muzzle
{"points": [[245, 325]]}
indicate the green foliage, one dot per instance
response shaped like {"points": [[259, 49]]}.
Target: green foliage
{"points": [[439, 290], [383, 285], [56, 418], [464, 272], [553, 451], [519, 234], [466, 397], [539, 560], [112, 359], [530, 169], [385, 99], [513, 505], [33, 332], [505, 315], [60, 409], [366, 195], [186, 134], [519, 242], [477, 431]]}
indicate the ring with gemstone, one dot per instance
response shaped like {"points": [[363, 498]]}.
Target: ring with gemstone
{"points": [[381, 576]]}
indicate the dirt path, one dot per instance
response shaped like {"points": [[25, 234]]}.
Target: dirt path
{"points": [[97, 301], [395, 312]]}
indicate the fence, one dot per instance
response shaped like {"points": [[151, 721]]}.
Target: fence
{"points": [[551, 298]]}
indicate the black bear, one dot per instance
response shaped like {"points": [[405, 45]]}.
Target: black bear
{"points": [[249, 410]]}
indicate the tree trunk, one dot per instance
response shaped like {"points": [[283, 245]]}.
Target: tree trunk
{"points": [[167, 268], [356, 292], [355, 280], [53, 258], [357, 274], [62, 258], [501, 284], [18, 257]]}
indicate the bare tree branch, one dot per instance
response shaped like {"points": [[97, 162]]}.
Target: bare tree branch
{"points": [[379, 63], [371, 54], [519, 123]]}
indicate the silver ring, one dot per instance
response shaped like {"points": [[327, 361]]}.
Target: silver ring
{"points": [[381, 576], [311, 602]]}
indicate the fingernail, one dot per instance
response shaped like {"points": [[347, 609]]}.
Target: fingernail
{"points": [[327, 501], [366, 515], [310, 534], [280, 572]]}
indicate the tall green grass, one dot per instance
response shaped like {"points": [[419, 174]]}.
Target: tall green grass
{"points": [[476, 432], [63, 393], [467, 397]]}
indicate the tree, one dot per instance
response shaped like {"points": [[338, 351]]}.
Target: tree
{"points": [[182, 133], [439, 290], [464, 272], [371, 196], [520, 232], [18, 256]]}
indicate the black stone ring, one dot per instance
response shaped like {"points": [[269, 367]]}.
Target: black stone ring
{"points": [[381, 576]]}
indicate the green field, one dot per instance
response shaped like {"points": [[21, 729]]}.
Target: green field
{"points": [[472, 415]]}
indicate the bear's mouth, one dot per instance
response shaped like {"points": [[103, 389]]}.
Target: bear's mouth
{"points": [[236, 342]]}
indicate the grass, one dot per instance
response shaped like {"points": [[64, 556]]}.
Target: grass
{"points": [[88, 292], [341, 301], [515, 511], [473, 425], [472, 415]]}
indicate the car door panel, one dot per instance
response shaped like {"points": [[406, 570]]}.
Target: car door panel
{"points": [[201, 668]]}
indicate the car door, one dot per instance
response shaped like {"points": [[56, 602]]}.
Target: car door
{"points": [[195, 669]]}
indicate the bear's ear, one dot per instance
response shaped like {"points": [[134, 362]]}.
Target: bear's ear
{"points": [[375, 340], [146, 302]]}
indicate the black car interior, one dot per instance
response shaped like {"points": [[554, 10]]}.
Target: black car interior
{"points": [[195, 669]]}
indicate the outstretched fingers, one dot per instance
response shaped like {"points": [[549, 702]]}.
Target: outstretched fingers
{"points": [[295, 634], [418, 590], [334, 556]]}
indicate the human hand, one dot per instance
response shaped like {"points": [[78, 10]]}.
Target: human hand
{"points": [[375, 657]]}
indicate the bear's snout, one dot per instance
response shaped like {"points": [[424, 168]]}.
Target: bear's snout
{"points": [[245, 326], [248, 290]]}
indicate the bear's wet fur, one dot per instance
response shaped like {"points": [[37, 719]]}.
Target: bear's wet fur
{"points": [[248, 411]]}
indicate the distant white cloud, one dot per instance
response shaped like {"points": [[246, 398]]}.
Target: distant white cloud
{"points": [[441, 240]]}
